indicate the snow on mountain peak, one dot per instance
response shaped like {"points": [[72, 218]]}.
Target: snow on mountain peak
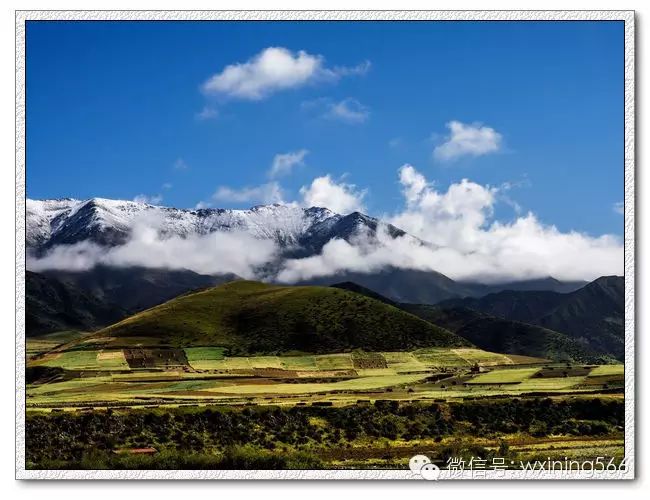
{"points": [[109, 222]]}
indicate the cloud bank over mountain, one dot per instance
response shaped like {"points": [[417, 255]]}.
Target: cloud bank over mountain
{"points": [[235, 252], [450, 231]]}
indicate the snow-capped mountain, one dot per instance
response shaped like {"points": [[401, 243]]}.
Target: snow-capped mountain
{"points": [[109, 222]]}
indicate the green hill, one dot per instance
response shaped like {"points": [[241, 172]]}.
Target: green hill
{"points": [[249, 317]]}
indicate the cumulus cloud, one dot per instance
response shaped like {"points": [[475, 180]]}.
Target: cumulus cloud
{"points": [[271, 192], [272, 70], [467, 140], [224, 252], [150, 200], [348, 110], [284, 163], [340, 197], [453, 232], [619, 207]]}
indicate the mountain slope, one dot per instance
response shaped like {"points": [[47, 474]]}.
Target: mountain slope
{"points": [[297, 232], [402, 285], [506, 336], [593, 315], [495, 334], [249, 317], [137, 288], [53, 305]]}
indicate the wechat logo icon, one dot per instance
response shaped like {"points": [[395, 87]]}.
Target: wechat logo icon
{"points": [[422, 466]]}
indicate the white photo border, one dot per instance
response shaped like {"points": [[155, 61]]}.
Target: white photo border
{"points": [[628, 17]]}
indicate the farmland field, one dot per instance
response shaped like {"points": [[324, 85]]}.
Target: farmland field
{"points": [[327, 394], [205, 375]]}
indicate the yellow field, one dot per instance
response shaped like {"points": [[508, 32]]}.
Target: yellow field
{"points": [[104, 376], [507, 376]]}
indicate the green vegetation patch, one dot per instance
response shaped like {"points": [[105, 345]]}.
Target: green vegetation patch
{"points": [[548, 384], [483, 358], [357, 384], [204, 358], [506, 376], [607, 370], [73, 360], [250, 318]]}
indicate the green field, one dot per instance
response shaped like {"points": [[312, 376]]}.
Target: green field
{"points": [[607, 370], [91, 377], [508, 376], [201, 407]]}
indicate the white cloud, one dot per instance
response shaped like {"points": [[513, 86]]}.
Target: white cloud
{"points": [[224, 252], [348, 110], [464, 242], [452, 231], [207, 113], [270, 192], [619, 207], [151, 200], [468, 140], [202, 204], [167, 185], [274, 69], [181, 164], [339, 197], [284, 163]]}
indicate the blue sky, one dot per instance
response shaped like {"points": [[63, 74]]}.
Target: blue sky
{"points": [[113, 109]]}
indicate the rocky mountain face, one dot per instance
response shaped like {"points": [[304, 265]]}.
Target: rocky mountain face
{"points": [[110, 222]]}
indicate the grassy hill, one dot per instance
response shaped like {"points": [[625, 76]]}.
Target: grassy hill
{"points": [[249, 317]]}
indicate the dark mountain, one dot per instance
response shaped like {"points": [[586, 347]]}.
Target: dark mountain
{"points": [[506, 336], [430, 287], [402, 285], [87, 300], [593, 315], [52, 305], [250, 317], [496, 334], [137, 288], [353, 287], [541, 284]]}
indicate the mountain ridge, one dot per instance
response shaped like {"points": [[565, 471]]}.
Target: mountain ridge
{"points": [[593, 314]]}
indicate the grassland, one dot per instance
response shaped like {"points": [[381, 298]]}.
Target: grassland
{"points": [[511, 376], [250, 318]]}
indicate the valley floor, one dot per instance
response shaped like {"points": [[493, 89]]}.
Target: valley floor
{"points": [[197, 408]]}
